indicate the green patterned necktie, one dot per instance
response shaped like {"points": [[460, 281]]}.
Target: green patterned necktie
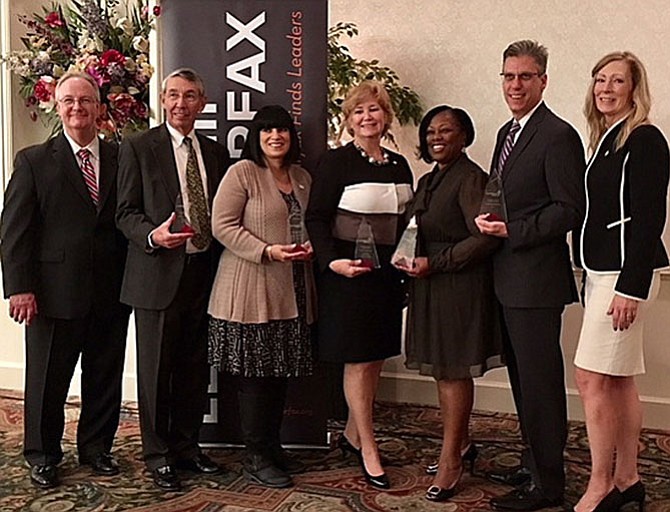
{"points": [[197, 211]]}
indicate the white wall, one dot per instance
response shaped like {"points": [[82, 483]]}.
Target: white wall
{"points": [[449, 52]]}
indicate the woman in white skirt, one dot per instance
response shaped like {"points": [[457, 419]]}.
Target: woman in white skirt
{"points": [[620, 249]]}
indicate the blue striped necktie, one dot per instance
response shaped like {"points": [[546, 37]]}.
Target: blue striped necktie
{"points": [[507, 146]]}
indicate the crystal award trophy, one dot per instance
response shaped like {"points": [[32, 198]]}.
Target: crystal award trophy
{"points": [[404, 255], [493, 201], [180, 224], [297, 231], [366, 251]]}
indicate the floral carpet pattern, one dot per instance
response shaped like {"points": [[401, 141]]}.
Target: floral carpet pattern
{"points": [[409, 439]]}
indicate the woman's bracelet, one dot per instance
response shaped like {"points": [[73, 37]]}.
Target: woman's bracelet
{"points": [[268, 252]]}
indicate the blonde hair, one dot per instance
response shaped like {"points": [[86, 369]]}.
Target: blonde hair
{"points": [[639, 114], [365, 91]]}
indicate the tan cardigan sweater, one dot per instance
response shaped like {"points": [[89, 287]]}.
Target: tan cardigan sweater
{"points": [[248, 214]]}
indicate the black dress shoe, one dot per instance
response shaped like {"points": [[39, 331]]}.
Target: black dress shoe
{"points": [[104, 464], [288, 462], [527, 497], [469, 455], [200, 463], [514, 476], [44, 476], [435, 493], [166, 478], [260, 470], [378, 481]]}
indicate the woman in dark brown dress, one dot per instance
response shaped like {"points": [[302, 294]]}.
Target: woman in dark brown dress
{"points": [[452, 326]]}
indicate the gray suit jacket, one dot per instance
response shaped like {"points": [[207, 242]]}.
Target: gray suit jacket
{"points": [[148, 186], [543, 183]]}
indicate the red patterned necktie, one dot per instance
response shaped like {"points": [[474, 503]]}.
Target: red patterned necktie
{"points": [[507, 146], [89, 174]]}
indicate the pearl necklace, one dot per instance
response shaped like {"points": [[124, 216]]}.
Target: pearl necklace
{"points": [[385, 156]]}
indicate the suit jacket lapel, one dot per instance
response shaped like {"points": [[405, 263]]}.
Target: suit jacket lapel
{"points": [[108, 167], [63, 155], [166, 166]]}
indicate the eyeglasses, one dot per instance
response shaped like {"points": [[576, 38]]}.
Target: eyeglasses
{"points": [[524, 77], [84, 101]]}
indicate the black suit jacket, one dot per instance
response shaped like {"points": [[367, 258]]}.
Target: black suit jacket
{"points": [[543, 183], [148, 185], [55, 243]]}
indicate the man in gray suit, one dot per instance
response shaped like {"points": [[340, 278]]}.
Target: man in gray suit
{"points": [[169, 274], [62, 264], [540, 159]]}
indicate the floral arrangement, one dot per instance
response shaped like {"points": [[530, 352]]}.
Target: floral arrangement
{"points": [[109, 41]]}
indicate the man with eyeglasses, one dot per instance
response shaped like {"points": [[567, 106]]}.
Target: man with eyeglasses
{"points": [[168, 177], [62, 265], [540, 159]]}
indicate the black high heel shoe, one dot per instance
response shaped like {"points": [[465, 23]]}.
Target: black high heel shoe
{"points": [[435, 493], [346, 446], [468, 456], [635, 493], [378, 481], [611, 502]]}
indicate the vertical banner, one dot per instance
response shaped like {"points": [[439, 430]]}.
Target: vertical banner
{"points": [[252, 53]]}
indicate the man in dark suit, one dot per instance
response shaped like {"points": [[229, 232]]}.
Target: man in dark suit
{"points": [[62, 265], [540, 158], [169, 274]]}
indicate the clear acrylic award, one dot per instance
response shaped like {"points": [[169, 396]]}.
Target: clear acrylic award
{"points": [[180, 224], [404, 255], [493, 202], [366, 251]]}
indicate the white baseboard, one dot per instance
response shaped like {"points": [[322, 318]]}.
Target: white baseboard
{"points": [[497, 396], [402, 388]]}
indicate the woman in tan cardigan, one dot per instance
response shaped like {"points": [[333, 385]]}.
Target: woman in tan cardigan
{"points": [[263, 298]]}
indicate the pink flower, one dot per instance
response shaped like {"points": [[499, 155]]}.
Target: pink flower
{"points": [[54, 20], [112, 56], [44, 89], [97, 76], [157, 10]]}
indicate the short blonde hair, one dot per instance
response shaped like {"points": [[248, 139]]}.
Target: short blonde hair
{"points": [[641, 100], [366, 91]]}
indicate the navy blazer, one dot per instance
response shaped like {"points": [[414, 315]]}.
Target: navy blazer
{"points": [[55, 243], [544, 193], [148, 186]]}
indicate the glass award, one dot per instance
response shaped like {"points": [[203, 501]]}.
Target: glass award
{"points": [[297, 231], [366, 251], [180, 224], [493, 201], [403, 256]]}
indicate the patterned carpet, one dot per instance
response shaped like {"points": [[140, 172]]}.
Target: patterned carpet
{"points": [[408, 437]]}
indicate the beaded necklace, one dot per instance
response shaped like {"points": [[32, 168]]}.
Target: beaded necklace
{"points": [[385, 156]]}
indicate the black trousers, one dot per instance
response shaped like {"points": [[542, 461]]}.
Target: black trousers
{"points": [[535, 366], [53, 347], [172, 371]]}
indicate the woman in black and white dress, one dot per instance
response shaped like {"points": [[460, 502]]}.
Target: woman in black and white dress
{"points": [[360, 187], [620, 249]]}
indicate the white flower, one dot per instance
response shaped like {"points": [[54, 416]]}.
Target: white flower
{"points": [[140, 44], [124, 24], [133, 90]]}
